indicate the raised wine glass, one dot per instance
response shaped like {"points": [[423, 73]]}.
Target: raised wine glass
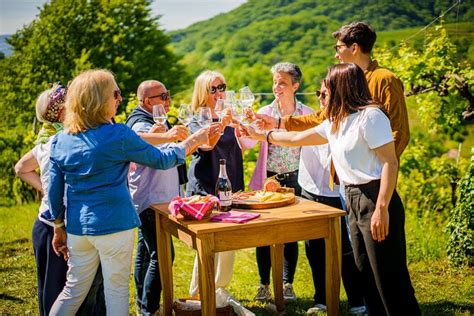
{"points": [[220, 110], [204, 117], [246, 97], [185, 114], [159, 114]]}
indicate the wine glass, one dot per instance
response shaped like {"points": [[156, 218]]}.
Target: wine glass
{"points": [[185, 114], [204, 117], [238, 111], [230, 98], [220, 110], [159, 114], [246, 97]]}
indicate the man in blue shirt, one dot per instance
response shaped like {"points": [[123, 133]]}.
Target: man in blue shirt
{"points": [[150, 186]]}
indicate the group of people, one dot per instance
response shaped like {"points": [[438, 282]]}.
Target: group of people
{"points": [[100, 179]]}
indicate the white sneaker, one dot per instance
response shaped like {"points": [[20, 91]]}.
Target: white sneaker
{"points": [[263, 293], [358, 310], [288, 293], [318, 308]]}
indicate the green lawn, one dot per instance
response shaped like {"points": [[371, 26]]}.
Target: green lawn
{"points": [[439, 289]]}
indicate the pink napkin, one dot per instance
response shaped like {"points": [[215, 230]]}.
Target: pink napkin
{"points": [[234, 217], [196, 210]]}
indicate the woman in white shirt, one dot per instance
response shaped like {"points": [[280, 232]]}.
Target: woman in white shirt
{"points": [[363, 151]]}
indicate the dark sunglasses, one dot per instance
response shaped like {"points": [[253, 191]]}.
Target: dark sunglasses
{"points": [[163, 96], [322, 95], [220, 87], [117, 94]]}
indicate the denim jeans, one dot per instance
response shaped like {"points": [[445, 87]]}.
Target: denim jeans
{"points": [[383, 265], [315, 252], [147, 272]]}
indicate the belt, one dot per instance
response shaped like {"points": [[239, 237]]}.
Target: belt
{"points": [[369, 184], [286, 176]]}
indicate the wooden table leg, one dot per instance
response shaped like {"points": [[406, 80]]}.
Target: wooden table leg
{"points": [[163, 241], [207, 287], [276, 252], [333, 266]]}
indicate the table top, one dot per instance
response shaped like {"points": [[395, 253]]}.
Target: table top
{"points": [[302, 210]]}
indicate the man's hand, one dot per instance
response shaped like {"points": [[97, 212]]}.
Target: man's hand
{"points": [[379, 224], [59, 242], [266, 122], [158, 128], [177, 133]]}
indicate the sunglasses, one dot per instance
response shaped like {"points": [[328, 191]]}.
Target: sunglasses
{"points": [[220, 87], [163, 96], [321, 95], [117, 94]]}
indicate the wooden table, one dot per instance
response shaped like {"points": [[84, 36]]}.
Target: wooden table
{"points": [[303, 220]]}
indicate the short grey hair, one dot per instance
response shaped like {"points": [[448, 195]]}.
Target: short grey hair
{"points": [[292, 69]]}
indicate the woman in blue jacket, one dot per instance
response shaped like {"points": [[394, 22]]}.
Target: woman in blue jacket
{"points": [[89, 163]]}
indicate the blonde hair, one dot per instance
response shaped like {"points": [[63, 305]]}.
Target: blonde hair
{"points": [[87, 100], [202, 86]]}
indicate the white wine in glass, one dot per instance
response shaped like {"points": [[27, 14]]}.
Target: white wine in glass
{"points": [[246, 97], [185, 114], [159, 114], [205, 117]]}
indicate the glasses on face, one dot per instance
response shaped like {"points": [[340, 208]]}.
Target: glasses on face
{"points": [[163, 96], [321, 95], [220, 87], [337, 47], [117, 94]]}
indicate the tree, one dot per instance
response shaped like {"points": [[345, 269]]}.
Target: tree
{"points": [[70, 36]]}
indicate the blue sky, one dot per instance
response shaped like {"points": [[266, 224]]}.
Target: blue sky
{"points": [[176, 14]]}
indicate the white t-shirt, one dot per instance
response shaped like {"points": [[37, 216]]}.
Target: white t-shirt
{"points": [[352, 145], [42, 152], [314, 170]]}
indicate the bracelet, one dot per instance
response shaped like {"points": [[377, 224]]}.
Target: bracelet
{"points": [[59, 225], [268, 136], [279, 122]]}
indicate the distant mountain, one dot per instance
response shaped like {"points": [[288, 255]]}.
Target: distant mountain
{"points": [[4, 46], [246, 41]]}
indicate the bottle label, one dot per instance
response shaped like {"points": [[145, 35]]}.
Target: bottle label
{"points": [[225, 197]]}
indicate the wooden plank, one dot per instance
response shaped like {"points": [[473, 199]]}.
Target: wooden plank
{"points": [[247, 236], [163, 240], [333, 266], [207, 287]]}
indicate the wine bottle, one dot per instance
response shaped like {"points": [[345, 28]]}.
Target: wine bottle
{"points": [[224, 188]]}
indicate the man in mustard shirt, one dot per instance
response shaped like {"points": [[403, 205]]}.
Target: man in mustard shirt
{"points": [[354, 45]]}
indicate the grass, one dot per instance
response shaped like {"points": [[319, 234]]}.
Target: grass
{"points": [[440, 290]]}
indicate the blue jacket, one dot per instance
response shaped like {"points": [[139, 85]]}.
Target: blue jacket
{"points": [[93, 167]]}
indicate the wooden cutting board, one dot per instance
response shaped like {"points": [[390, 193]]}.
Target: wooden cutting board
{"points": [[246, 204]]}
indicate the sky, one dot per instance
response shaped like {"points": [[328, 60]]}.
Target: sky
{"points": [[176, 14]]}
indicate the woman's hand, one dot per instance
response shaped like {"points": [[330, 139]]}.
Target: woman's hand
{"points": [[177, 133], [226, 119], [379, 224], [251, 132], [266, 122], [59, 242]]}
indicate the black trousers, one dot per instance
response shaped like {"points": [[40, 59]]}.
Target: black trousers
{"points": [[383, 265], [316, 255]]}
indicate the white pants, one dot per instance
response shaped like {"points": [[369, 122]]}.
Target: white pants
{"points": [[114, 252], [223, 265]]}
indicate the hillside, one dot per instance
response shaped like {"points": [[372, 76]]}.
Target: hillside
{"points": [[245, 42]]}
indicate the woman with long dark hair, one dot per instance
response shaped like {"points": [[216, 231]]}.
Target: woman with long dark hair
{"points": [[363, 152]]}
